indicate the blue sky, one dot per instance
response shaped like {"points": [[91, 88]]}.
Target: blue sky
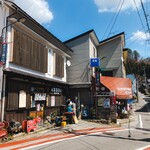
{"points": [[68, 18]]}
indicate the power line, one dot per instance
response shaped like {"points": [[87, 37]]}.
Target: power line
{"points": [[145, 19], [79, 63], [134, 39], [116, 18], [132, 35], [111, 20], [143, 27], [145, 16], [138, 14]]}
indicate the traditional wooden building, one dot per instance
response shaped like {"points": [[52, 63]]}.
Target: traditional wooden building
{"points": [[33, 66]]}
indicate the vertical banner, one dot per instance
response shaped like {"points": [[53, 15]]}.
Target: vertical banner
{"points": [[3, 53], [113, 98], [97, 78]]}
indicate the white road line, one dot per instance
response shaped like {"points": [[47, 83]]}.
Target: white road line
{"points": [[69, 138], [140, 123], [142, 148], [147, 107]]}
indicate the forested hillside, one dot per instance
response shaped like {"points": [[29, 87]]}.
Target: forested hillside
{"points": [[136, 65]]}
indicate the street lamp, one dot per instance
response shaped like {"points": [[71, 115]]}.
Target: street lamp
{"points": [[3, 56], [145, 80]]}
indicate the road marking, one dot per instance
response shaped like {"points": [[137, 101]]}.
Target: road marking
{"points": [[74, 137], [147, 107], [144, 148], [69, 137], [140, 123]]}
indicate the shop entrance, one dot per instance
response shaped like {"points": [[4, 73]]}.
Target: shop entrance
{"points": [[40, 109], [38, 102]]}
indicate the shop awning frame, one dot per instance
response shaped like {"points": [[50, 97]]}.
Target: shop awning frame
{"points": [[121, 86]]}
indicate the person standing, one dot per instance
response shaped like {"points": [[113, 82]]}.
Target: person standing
{"points": [[74, 108]]}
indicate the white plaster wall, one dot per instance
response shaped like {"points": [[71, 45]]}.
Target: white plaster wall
{"points": [[3, 14]]}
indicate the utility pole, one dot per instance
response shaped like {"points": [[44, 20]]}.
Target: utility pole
{"points": [[145, 80]]}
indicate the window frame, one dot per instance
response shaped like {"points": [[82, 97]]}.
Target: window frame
{"points": [[50, 58]]}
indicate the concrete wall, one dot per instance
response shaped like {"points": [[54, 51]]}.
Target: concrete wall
{"points": [[93, 54], [113, 51], [78, 72]]}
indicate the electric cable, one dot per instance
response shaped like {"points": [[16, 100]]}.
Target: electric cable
{"points": [[146, 21], [132, 35], [111, 20], [145, 16], [138, 14], [135, 40], [116, 18]]}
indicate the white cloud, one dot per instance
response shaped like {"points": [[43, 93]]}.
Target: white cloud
{"points": [[111, 5], [37, 9], [140, 36]]}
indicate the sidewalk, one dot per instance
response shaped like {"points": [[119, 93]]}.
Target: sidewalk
{"points": [[82, 125], [38, 138], [140, 102]]}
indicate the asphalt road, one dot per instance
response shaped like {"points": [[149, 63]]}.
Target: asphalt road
{"points": [[134, 135], [113, 140]]}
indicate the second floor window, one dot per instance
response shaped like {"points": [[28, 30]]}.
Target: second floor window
{"points": [[49, 61], [58, 65], [94, 52], [28, 52]]}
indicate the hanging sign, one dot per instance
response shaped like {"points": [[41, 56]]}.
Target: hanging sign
{"points": [[40, 96], [3, 53], [94, 62], [56, 91], [97, 78]]}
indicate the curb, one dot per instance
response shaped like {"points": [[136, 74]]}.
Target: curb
{"points": [[24, 135]]}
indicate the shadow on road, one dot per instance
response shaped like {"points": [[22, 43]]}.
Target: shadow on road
{"points": [[144, 108], [144, 129], [112, 135]]}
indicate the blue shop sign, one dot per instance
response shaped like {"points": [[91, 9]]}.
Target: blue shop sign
{"points": [[3, 53], [130, 101], [94, 62]]}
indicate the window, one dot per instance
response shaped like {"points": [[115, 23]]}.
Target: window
{"points": [[29, 52], [49, 60], [53, 100], [94, 52], [58, 65], [107, 73]]}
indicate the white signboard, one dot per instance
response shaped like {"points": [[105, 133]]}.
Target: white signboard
{"points": [[52, 100], [22, 99], [106, 103], [40, 96]]}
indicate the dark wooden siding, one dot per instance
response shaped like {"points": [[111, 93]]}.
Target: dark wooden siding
{"points": [[13, 94], [17, 116], [59, 65], [29, 53], [58, 100]]}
